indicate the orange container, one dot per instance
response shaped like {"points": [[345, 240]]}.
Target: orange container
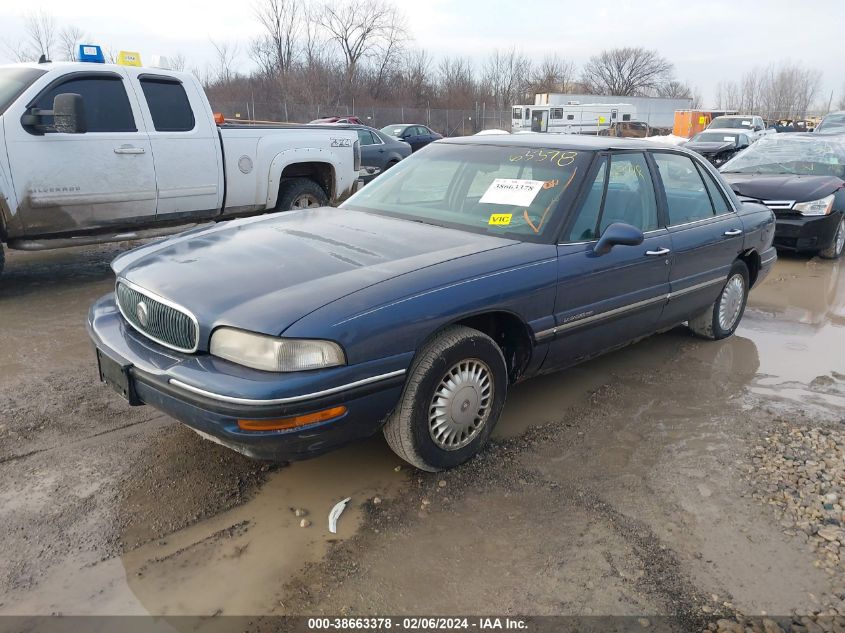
{"points": [[690, 122]]}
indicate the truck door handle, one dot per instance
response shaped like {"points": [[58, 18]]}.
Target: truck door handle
{"points": [[128, 149], [658, 253], [733, 232]]}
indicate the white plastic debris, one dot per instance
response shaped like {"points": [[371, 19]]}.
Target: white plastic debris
{"points": [[334, 515]]}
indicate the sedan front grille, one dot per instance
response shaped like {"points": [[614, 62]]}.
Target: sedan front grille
{"points": [[157, 318]]}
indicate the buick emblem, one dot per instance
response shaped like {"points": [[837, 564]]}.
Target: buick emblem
{"points": [[142, 313]]}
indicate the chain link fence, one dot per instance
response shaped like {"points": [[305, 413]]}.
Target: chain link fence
{"points": [[449, 122]]}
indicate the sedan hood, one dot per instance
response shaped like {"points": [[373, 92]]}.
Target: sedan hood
{"points": [[263, 274], [710, 147], [783, 186]]}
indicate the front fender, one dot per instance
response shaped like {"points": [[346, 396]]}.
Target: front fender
{"points": [[398, 315]]}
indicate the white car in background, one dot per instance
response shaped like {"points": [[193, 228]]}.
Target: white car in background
{"points": [[752, 125]]}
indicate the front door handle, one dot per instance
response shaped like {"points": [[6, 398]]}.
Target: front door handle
{"points": [[128, 149], [658, 253], [733, 232]]}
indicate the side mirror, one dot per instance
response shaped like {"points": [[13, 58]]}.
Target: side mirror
{"points": [[69, 114], [618, 234]]}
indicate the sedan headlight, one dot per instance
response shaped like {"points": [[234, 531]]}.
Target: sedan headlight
{"points": [[270, 353], [815, 207]]}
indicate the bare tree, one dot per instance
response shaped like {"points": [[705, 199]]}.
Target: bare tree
{"points": [[178, 62], [415, 78], [280, 20], [389, 53], [626, 71], [225, 54], [674, 89], [70, 37], [40, 28], [841, 104], [457, 86], [553, 75], [505, 77], [358, 28]]}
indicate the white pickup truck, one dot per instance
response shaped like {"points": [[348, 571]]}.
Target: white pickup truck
{"points": [[97, 152]]}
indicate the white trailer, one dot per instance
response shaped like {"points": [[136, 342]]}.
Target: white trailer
{"points": [[570, 118]]}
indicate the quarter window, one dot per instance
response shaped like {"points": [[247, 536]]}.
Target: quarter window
{"points": [[686, 196], [107, 106], [720, 205], [169, 105]]}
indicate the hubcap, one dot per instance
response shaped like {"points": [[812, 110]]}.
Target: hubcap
{"points": [[840, 236], [461, 404], [731, 302], [305, 201]]}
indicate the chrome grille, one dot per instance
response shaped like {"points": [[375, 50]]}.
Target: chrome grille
{"points": [[157, 319], [779, 205]]}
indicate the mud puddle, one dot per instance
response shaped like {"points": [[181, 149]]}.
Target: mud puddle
{"points": [[797, 322], [236, 562]]}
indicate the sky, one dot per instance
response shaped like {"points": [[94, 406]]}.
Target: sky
{"points": [[708, 42]]}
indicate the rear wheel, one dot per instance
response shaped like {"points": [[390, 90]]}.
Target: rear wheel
{"points": [[834, 251], [722, 318], [301, 193], [453, 397]]}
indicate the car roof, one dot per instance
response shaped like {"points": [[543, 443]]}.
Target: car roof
{"points": [[559, 141], [736, 116], [724, 130]]}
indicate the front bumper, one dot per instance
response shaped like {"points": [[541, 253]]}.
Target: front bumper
{"points": [[210, 395], [794, 232]]}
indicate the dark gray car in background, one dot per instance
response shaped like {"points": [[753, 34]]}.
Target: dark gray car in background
{"points": [[379, 151]]}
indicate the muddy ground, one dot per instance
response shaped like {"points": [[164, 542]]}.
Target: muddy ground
{"points": [[625, 486]]}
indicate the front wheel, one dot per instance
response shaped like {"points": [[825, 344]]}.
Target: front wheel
{"points": [[452, 399], [301, 193], [834, 251], [722, 318]]}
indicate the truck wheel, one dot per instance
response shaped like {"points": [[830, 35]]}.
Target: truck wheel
{"points": [[834, 251], [301, 193], [452, 399], [722, 318]]}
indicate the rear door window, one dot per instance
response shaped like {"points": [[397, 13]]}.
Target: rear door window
{"points": [[169, 106], [366, 137], [686, 195]]}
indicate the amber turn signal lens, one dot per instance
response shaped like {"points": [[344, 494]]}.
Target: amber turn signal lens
{"points": [[218, 118], [282, 424]]}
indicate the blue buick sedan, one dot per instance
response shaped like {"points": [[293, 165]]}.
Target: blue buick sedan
{"points": [[472, 265]]}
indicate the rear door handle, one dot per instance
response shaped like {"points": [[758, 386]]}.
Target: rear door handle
{"points": [[733, 232], [658, 253], [128, 149]]}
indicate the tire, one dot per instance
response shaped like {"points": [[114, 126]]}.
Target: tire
{"points": [[390, 163], [301, 193], [476, 363], [834, 251], [709, 324]]}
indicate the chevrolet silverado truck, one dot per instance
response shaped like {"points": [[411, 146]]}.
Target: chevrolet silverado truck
{"points": [[94, 152]]}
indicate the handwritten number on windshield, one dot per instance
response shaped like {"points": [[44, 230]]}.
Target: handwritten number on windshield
{"points": [[561, 159]]}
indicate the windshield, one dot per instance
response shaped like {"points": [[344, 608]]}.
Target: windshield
{"points": [[832, 123], [791, 154], [394, 130], [733, 123], [713, 137], [509, 191], [13, 81]]}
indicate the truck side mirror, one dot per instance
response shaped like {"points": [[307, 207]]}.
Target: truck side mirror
{"points": [[69, 114]]}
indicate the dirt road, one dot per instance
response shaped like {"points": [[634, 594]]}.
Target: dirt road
{"points": [[632, 484]]}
